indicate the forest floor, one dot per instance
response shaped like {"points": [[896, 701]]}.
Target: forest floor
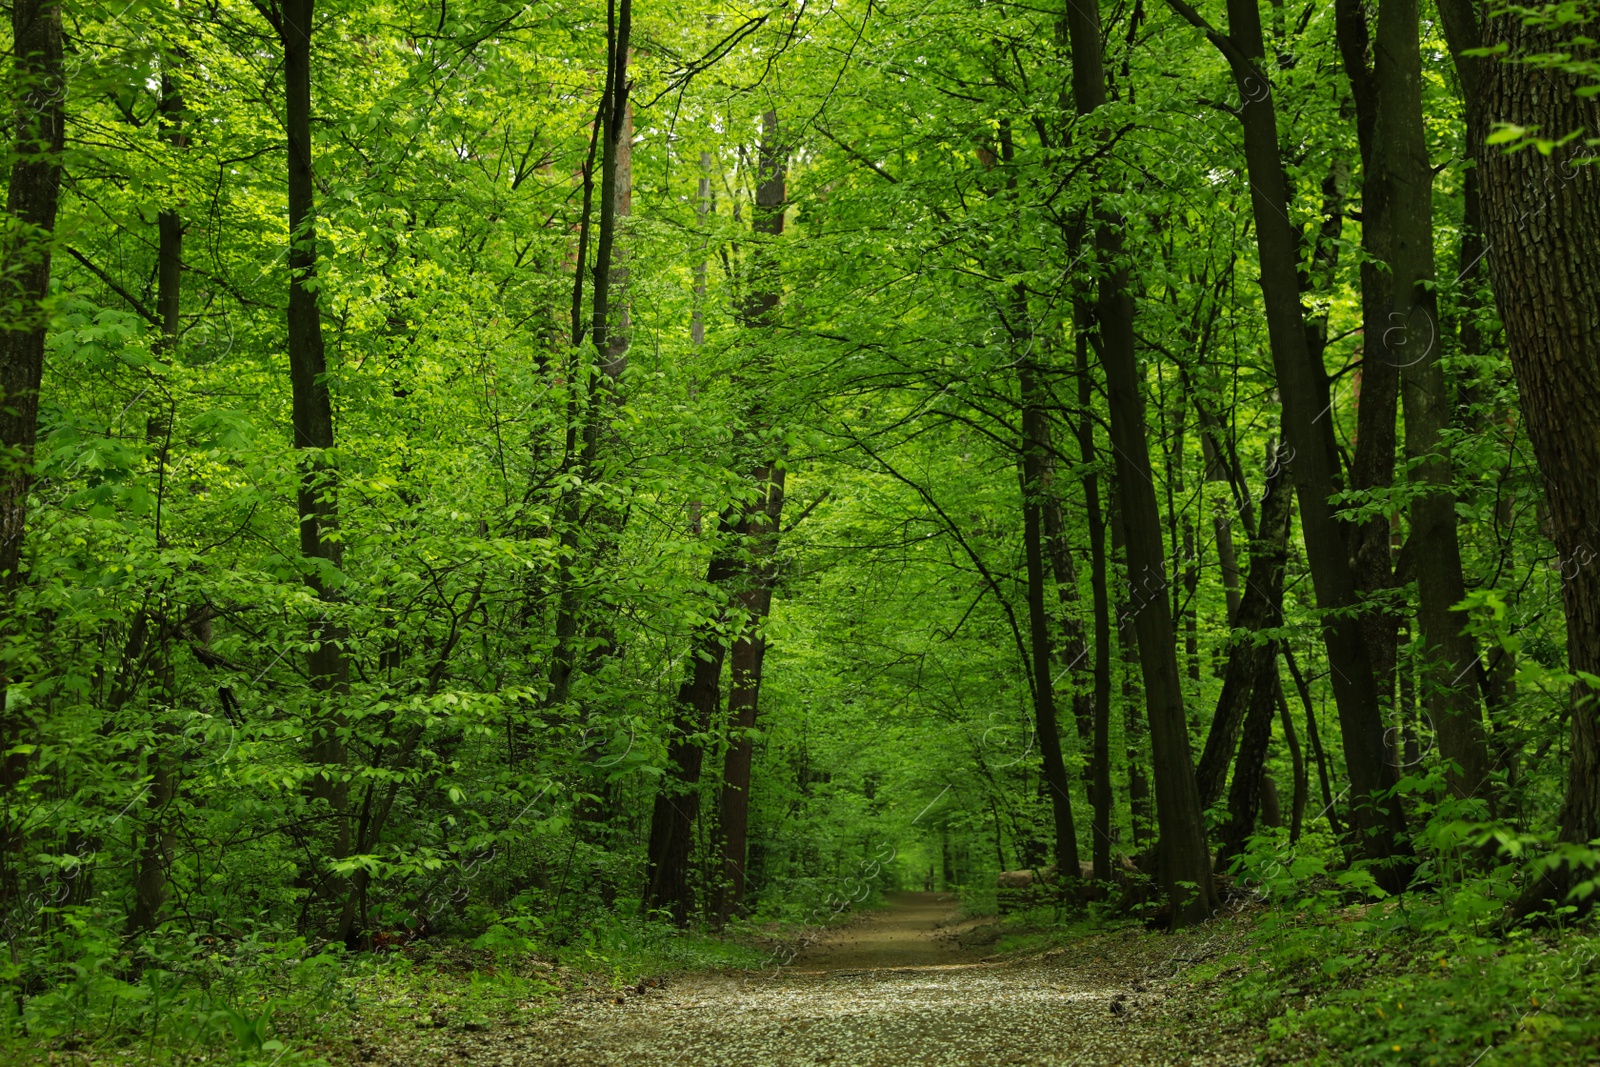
{"points": [[909, 985]]}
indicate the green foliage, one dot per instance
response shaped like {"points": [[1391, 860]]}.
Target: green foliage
{"points": [[475, 831]]}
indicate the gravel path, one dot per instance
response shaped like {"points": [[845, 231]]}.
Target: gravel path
{"points": [[897, 988]]}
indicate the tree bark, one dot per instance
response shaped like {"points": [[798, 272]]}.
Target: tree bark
{"points": [[1377, 381], [1251, 657], [1134, 728], [677, 802], [320, 548], [1412, 340], [1297, 761], [1303, 386], [1034, 467], [590, 408], [1542, 226], [758, 533], [1246, 790], [1185, 859], [1100, 796], [37, 124], [156, 851]]}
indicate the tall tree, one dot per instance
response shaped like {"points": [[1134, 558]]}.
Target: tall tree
{"points": [[1253, 657], [1185, 860], [758, 532], [1542, 225], [1404, 339], [38, 111], [1303, 385], [1100, 795], [159, 834]]}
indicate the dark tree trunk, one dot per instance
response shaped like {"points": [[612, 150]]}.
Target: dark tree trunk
{"points": [[1185, 859], [590, 408], [1542, 226], [758, 532], [1134, 730], [1377, 382], [156, 851], [34, 191], [37, 122], [1314, 738], [1302, 382], [1253, 656], [320, 547], [1074, 651], [1100, 796], [1246, 791], [1183, 600], [677, 802], [1400, 167], [1297, 761], [1035, 438]]}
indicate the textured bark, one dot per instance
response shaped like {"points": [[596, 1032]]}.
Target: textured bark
{"points": [[1297, 761], [37, 123], [1185, 858], [587, 416], [1222, 526], [1302, 383], [1073, 653], [321, 550], [1134, 728], [1377, 381], [1251, 656], [1542, 226]]}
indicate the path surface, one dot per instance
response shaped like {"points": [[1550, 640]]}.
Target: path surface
{"points": [[897, 988]]}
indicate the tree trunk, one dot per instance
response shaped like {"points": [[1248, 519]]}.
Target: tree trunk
{"points": [[1134, 730], [320, 547], [1542, 226], [1302, 383], [758, 531], [677, 802], [1260, 612], [1034, 467], [1401, 166], [1246, 790], [38, 118], [1377, 381], [1100, 795], [614, 120], [1314, 738], [155, 854], [1185, 859], [1302, 781], [1074, 651]]}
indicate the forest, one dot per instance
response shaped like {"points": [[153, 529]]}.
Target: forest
{"points": [[713, 532]]}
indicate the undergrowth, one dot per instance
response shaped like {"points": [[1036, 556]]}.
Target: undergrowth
{"points": [[1332, 972], [264, 997]]}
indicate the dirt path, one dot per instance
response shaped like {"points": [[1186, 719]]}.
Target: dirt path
{"points": [[897, 988]]}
